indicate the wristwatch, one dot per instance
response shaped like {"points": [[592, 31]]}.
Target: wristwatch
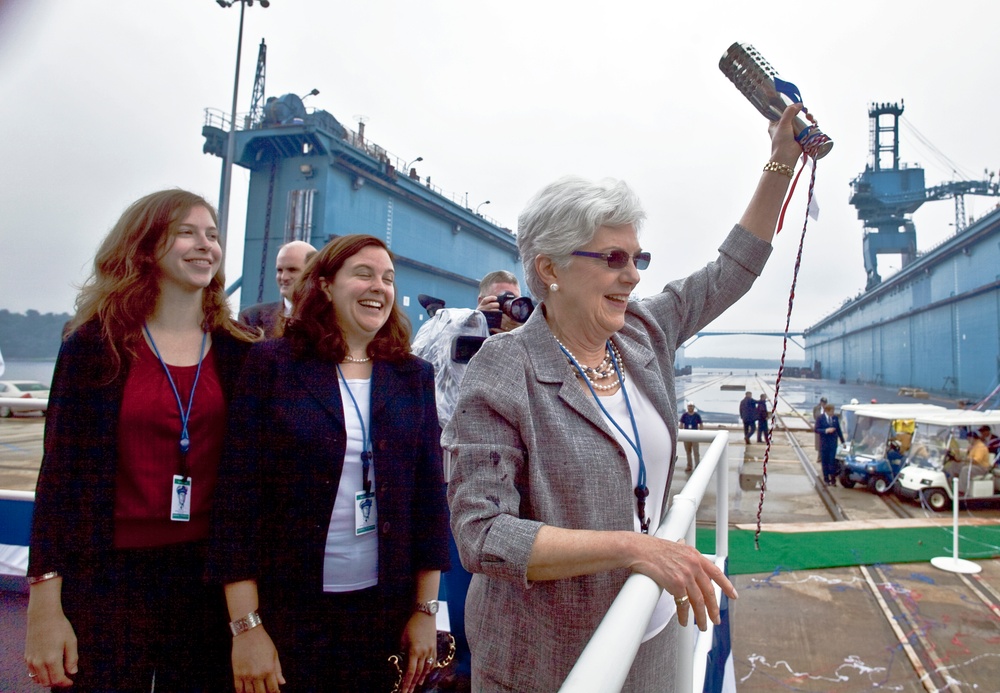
{"points": [[430, 608]]}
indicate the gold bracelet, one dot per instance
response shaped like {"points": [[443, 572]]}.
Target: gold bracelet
{"points": [[42, 578], [776, 167]]}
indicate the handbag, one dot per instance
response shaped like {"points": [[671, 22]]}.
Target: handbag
{"points": [[441, 677]]}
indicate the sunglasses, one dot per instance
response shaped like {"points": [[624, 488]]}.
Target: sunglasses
{"points": [[617, 259]]}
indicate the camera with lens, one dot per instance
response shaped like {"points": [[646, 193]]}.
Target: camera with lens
{"points": [[517, 308]]}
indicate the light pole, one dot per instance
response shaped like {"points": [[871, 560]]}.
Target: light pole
{"points": [[480, 205], [410, 165], [227, 164]]}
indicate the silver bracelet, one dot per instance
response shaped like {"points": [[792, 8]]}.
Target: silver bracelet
{"points": [[43, 577], [242, 625]]}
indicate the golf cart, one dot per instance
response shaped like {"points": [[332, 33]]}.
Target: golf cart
{"points": [[877, 441], [938, 438]]}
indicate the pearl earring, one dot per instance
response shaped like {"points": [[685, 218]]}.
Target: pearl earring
{"points": [[553, 287]]}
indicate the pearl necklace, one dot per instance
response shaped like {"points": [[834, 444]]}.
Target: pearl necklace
{"points": [[605, 369], [351, 359]]}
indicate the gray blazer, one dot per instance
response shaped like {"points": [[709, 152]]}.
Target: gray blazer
{"points": [[532, 448]]}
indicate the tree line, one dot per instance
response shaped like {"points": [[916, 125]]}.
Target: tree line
{"points": [[31, 335]]}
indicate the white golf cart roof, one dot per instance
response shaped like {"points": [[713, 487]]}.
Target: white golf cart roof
{"points": [[894, 412], [961, 417]]}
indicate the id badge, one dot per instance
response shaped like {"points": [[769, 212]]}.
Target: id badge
{"points": [[180, 498], [365, 513]]}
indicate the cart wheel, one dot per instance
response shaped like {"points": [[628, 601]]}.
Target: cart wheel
{"points": [[845, 480], [879, 485], [936, 498]]}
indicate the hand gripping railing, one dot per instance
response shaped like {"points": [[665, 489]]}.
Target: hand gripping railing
{"points": [[605, 662]]}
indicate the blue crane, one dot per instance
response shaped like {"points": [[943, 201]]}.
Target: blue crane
{"points": [[887, 192]]}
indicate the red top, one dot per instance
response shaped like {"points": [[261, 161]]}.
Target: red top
{"points": [[149, 431]]}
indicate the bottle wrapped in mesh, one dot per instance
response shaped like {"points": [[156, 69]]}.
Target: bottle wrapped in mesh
{"points": [[759, 82]]}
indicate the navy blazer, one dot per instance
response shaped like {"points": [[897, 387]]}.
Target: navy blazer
{"points": [[75, 495], [282, 465], [828, 441]]}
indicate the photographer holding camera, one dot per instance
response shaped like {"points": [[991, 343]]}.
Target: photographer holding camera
{"points": [[496, 290], [448, 340]]}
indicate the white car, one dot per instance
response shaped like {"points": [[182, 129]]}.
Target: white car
{"points": [[22, 389]]}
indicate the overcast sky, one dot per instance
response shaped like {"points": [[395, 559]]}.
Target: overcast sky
{"points": [[104, 102]]}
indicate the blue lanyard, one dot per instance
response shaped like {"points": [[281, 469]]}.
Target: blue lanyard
{"points": [[641, 490], [185, 442], [366, 443]]}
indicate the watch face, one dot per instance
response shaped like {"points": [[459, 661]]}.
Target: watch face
{"points": [[430, 607]]}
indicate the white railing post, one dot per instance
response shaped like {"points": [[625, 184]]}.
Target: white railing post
{"points": [[621, 632]]}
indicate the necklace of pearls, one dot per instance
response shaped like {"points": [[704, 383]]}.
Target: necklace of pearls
{"points": [[351, 359], [606, 369]]}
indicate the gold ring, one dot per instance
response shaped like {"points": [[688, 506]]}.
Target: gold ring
{"points": [[682, 601]]}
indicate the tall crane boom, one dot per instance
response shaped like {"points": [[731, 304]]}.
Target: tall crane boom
{"points": [[887, 192], [257, 100]]}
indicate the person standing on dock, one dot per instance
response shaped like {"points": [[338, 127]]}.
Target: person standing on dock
{"points": [[828, 429], [818, 412], [762, 419], [691, 421], [748, 414]]}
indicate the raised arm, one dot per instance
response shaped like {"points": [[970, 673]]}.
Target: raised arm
{"points": [[761, 215]]}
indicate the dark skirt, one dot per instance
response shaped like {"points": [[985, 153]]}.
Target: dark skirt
{"points": [[334, 642], [145, 615]]}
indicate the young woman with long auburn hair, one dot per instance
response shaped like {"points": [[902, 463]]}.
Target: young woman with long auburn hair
{"points": [[133, 438]]}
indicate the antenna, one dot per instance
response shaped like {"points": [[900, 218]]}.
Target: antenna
{"points": [[362, 119]]}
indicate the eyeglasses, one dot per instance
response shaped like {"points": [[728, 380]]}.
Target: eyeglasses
{"points": [[617, 259]]}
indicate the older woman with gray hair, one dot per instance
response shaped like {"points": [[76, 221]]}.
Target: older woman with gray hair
{"points": [[564, 435]]}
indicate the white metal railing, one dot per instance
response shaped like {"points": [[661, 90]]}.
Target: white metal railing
{"points": [[15, 508], [621, 631], [25, 403]]}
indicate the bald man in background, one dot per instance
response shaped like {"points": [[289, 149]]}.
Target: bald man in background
{"points": [[292, 259]]}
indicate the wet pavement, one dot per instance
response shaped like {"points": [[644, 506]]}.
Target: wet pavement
{"points": [[898, 627]]}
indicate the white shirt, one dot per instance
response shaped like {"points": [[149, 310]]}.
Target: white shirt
{"points": [[351, 562], [657, 451]]}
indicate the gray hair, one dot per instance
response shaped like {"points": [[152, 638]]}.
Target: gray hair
{"points": [[497, 277], [564, 216]]}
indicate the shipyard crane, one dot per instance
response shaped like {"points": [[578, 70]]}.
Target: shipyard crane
{"points": [[886, 193]]}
